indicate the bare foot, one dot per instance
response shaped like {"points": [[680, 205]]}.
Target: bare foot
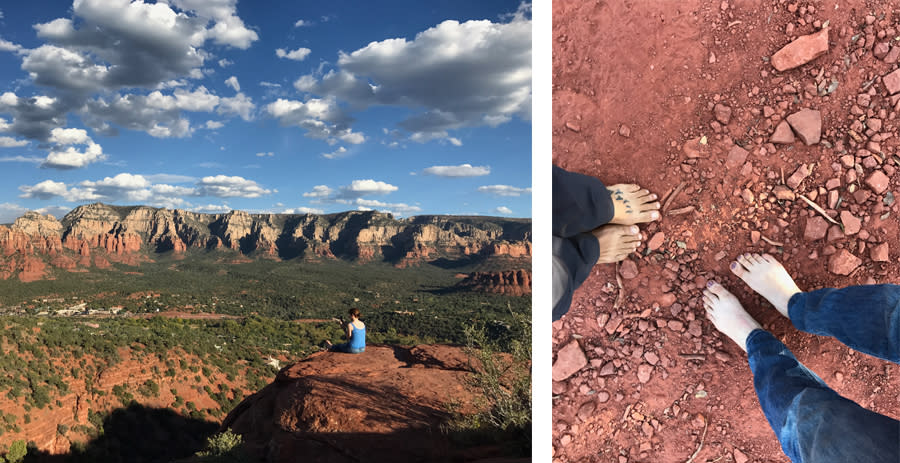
{"points": [[633, 204], [727, 313], [616, 242], [768, 277]]}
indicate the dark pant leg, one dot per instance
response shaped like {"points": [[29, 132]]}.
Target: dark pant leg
{"points": [[865, 318], [342, 347], [580, 204], [812, 422], [573, 259]]}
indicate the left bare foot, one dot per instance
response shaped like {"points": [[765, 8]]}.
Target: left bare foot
{"points": [[727, 314], [632, 204]]}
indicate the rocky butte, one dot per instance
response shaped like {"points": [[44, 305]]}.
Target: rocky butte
{"points": [[386, 404], [97, 234]]}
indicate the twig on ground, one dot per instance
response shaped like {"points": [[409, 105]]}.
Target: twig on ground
{"points": [[672, 197], [692, 356], [818, 209], [773, 243], [627, 409], [705, 425], [682, 210], [733, 23], [621, 293]]}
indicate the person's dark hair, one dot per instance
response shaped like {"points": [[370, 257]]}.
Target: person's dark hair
{"points": [[354, 312]]}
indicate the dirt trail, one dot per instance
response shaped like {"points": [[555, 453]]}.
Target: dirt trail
{"points": [[634, 83]]}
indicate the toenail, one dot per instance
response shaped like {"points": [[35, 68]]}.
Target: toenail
{"points": [[654, 215], [634, 229], [710, 283], [733, 265]]}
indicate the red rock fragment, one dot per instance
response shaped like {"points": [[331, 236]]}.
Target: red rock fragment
{"points": [[893, 55], [783, 134], [656, 241], [643, 372], [736, 157], [880, 253], [843, 262], [801, 51], [628, 269], [816, 228], [851, 223], [892, 82], [783, 193], [794, 180], [739, 457], [722, 113], [624, 131], [808, 125], [878, 181], [651, 358], [569, 360], [881, 49]]}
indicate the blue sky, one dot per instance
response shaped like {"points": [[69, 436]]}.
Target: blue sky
{"points": [[211, 105]]}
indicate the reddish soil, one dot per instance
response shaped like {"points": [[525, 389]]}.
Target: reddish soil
{"points": [[634, 82]]}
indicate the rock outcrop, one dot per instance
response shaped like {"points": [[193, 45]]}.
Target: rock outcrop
{"points": [[510, 282], [132, 234], [385, 404]]}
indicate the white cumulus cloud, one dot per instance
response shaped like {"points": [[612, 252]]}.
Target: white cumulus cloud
{"points": [[462, 170], [297, 55], [223, 186], [482, 68], [503, 210], [9, 142], [233, 83], [504, 190], [338, 153], [72, 158]]}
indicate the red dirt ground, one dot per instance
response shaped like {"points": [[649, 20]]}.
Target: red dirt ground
{"points": [[648, 65]]}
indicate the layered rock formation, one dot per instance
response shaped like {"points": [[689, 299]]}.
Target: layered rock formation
{"points": [[98, 234], [510, 282], [385, 404]]}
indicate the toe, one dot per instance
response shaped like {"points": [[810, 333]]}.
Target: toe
{"points": [[756, 259], [769, 258], [738, 269], [719, 290], [744, 260]]}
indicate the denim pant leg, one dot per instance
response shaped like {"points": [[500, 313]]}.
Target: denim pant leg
{"points": [[865, 318], [812, 422]]}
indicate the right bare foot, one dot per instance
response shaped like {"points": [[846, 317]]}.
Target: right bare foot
{"points": [[616, 242], [768, 277], [727, 314], [632, 204]]}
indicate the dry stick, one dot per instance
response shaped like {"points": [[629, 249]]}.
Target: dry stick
{"points": [[692, 356], [818, 209], [621, 292], [672, 197], [683, 210], [773, 243], [705, 425]]}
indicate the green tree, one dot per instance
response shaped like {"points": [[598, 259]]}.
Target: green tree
{"points": [[17, 451]]}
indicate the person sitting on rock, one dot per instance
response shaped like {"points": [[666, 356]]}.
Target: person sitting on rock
{"points": [[592, 224], [811, 421], [355, 332]]}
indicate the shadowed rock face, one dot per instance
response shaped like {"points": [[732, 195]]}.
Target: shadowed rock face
{"points": [[385, 404], [97, 234]]}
